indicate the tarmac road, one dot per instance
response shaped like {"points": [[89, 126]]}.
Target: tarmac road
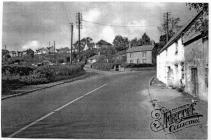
{"points": [[113, 105]]}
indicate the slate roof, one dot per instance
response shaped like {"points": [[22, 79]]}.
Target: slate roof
{"points": [[96, 57], [102, 42], [140, 48], [181, 31], [123, 52]]}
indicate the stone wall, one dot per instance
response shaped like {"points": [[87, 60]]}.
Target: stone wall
{"points": [[196, 56]]}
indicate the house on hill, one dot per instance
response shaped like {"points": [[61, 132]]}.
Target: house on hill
{"points": [[96, 58], [41, 51], [103, 44], [63, 50], [140, 54]]}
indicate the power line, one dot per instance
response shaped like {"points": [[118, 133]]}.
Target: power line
{"points": [[102, 24]]}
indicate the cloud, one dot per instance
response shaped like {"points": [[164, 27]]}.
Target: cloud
{"points": [[137, 28], [46, 21], [90, 29], [92, 15], [117, 21], [154, 5], [31, 45], [108, 34]]}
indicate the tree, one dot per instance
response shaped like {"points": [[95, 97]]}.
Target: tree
{"points": [[108, 51], [134, 42], [5, 54], [173, 27], [145, 39], [84, 41], [202, 24], [199, 6], [120, 43], [90, 42], [30, 52]]}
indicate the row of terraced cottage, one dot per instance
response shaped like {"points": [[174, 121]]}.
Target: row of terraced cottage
{"points": [[183, 62]]}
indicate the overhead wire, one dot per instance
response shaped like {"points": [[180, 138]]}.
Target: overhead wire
{"points": [[112, 25]]}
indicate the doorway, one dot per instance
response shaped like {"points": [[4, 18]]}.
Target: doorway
{"points": [[194, 79]]}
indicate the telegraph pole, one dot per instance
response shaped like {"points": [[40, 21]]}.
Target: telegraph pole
{"points": [[166, 18], [78, 23], [71, 43], [54, 47]]}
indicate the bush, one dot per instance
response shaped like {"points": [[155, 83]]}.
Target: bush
{"points": [[52, 72], [17, 69], [17, 76], [103, 66]]}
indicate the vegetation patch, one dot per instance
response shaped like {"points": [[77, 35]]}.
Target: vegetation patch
{"points": [[16, 76]]}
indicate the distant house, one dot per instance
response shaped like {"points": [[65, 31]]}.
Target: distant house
{"points": [[86, 47], [20, 53], [183, 61], [121, 57], [13, 53], [140, 54], [29, 52], [63, 50], [103, 44], [41, 51], [93, 59], [96, 58], [51, 50]]}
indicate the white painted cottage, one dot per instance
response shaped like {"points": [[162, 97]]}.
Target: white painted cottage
{"points": [[170, 64], [171, 59]]}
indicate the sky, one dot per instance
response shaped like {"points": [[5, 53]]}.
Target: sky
{"points": [[34, 24]]}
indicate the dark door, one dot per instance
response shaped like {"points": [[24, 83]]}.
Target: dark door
{"points": [[68, 59], [194, 80]]}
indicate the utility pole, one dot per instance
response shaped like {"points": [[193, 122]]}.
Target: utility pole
{"points": [[71, 43], [5, 47], [166, 18], [78, 23], [54, 47]]}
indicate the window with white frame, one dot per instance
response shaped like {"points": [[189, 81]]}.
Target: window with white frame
{"points": [[176, 50], [138, 61], [131, 61], [144, 54], [144, 60], [130, 55]]}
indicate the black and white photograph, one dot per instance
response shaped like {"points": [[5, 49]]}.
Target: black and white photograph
{"points": [[104, 70]]}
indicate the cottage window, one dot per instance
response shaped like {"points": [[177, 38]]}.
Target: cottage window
{"points": [[131, 61], [144, 54], [138, 61], [176, 50], [206, 77], [144, 61]]}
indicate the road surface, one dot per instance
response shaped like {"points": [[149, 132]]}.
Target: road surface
{"points": [[103, 106]]}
